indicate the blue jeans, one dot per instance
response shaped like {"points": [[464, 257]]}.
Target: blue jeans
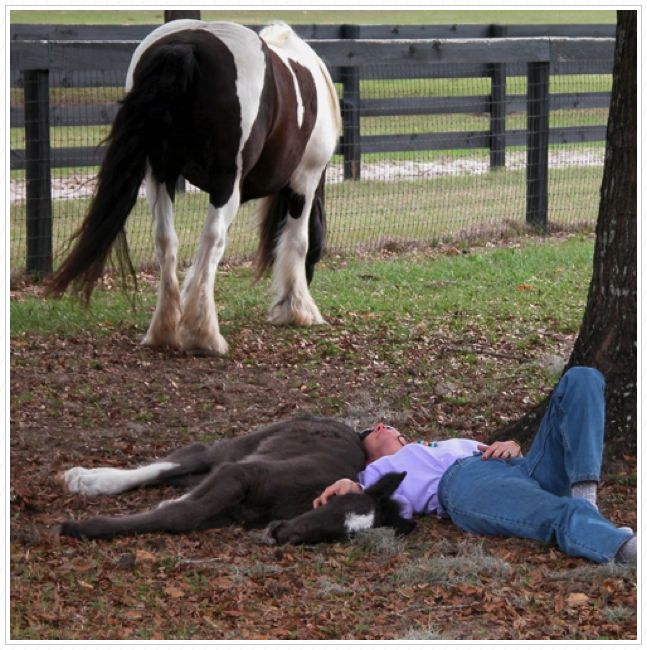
{"points": [[531, 496]]}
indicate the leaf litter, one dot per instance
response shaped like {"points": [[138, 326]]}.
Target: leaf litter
{"points": [[105, 400]]}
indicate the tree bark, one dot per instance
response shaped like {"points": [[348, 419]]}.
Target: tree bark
{"points": [[608, 335]]}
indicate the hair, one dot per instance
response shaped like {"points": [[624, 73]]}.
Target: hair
{"points": [[146, 117]]}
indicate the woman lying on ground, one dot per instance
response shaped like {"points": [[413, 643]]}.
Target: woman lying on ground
{"points": [[549, 495]]}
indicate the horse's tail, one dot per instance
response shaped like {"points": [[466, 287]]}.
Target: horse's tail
{"points": [[274, 212], [140, 131], [317, 229]]}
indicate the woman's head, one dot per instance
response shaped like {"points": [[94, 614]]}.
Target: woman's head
{"points": [[380, 441]]}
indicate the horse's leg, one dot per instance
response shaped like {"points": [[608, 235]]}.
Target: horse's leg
{"points": [[162, 330], [208, 506], [199, 331], [181, 464], [184, 467], [293, 303], [179, 516]]}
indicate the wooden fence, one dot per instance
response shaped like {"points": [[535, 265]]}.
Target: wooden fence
{"points": [[88, 55]]}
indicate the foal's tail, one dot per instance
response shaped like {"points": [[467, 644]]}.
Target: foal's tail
{"points": [[140, 131], [274, 213]]}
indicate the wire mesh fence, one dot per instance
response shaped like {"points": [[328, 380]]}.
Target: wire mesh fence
{"points": [[430, 153]]}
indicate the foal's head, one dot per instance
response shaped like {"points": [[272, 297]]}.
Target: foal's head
{"points": [[344, 515]]}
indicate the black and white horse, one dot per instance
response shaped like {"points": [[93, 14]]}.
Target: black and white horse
{"points": [[269, 477], [241, 116]]}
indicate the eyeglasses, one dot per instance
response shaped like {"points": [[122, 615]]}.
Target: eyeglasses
{"points": [[364, 433]]}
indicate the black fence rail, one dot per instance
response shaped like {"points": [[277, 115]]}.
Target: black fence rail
{"points": [[26, 32], [364, 61]]}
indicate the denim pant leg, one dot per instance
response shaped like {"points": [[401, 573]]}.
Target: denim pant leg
{"points": [[568, 446], [495, 497]]}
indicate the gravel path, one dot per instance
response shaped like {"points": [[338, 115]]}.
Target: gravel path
{"points": [[80, 186]]}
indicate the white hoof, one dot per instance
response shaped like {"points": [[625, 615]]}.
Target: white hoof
{"points": [[93, 482], [205, 348], [170, 340], [292, 311]]}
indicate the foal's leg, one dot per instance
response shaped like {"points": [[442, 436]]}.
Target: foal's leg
{"points": [[162, 330], [181, 464], [293, 303], [208, 506], [184, 467], [199, 331]]}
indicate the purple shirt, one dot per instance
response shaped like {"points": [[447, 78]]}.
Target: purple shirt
{"points": [[418, 493]]}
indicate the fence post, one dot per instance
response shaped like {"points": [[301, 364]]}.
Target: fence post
{"points": [[38, 173], [498, 99], [350, 107], [537, 146], [180, 14]]}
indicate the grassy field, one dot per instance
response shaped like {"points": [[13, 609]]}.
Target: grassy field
{"points": [[365, 215], [481, 286], [323, 16]]}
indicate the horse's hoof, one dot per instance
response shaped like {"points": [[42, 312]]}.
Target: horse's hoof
{"points": [[204, 346], [202, 352], [166, 344]]}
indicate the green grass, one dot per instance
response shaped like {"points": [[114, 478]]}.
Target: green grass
{"points": [[335, 16], [483, 287], [365, 214]]}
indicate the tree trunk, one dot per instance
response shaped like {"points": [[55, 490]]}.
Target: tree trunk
{"points": [[608, 336]]}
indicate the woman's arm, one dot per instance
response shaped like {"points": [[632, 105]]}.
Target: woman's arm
{"points": [[342, 486]]}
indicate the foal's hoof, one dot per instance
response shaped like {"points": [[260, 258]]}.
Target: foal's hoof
{"points": [[268, 533], [71, 528]]}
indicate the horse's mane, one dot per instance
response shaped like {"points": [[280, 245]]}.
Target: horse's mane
{"points": [[276, 33]]}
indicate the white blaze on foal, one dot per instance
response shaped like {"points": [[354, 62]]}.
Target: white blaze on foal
{"points": [[354, 522]]}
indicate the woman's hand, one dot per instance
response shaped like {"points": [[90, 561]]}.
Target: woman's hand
{"points": [[342, 486], [500, 449]]}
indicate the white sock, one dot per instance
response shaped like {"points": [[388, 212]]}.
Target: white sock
{"points": [[587, 490], [628, 552]]}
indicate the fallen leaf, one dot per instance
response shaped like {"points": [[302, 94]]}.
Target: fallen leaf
{"points": [[233, 612], [577, 598], [145, 555], [174, 592]]}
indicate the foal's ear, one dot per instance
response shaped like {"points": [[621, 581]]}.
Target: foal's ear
{"points": [[386, 486]]}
